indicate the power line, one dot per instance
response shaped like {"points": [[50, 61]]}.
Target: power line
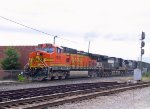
{"points": [[35, 29], [25, 26]]}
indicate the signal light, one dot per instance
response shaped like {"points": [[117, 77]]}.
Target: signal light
{"points": [[142, 44], [37, 53], [143, 36], [142, 51]]}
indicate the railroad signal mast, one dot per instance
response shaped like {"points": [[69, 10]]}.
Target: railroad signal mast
{"points": [[142, 50]]}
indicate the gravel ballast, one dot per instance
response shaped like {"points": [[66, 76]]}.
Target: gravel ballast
{"points": [[4, 86], [133, 99]]}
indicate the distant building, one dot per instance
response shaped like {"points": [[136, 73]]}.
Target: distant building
{"points": [[23, 52]]}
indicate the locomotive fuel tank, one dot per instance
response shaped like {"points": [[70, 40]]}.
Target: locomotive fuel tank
{"points": [[77, 74]]}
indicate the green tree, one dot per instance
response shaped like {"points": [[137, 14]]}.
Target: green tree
{"points": [[10, 62]]}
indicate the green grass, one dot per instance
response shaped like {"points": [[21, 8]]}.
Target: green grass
{"points": [[146, 76]]}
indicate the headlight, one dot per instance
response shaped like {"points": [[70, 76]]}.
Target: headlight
{"points": [[37, 53]]}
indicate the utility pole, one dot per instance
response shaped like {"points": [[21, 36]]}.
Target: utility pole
{"points": [[89, 47], [54, 38], [142, 50]]}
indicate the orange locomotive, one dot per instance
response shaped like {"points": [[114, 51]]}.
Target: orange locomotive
{"points": [[50, 61]]}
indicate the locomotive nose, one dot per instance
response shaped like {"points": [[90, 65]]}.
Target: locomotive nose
{"points": [[39, 56]]}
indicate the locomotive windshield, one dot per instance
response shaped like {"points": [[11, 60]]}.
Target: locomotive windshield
{"points": [[49, 50], [45, 47]]}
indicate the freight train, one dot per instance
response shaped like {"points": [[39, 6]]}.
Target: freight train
{"points": [[49, 62]]}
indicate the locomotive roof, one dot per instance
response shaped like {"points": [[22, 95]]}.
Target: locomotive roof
{"points": [[49, 45], [98, 55], [57, 46]]}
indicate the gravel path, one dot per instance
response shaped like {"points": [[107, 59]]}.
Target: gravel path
{"points": [[133, 99], [13, 86]]}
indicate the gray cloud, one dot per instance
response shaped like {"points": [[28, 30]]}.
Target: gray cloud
{"points": [[146, 59], [144, 14], [108, 36], [29, 31], [120, 37], [14, 29], [90, 36]]}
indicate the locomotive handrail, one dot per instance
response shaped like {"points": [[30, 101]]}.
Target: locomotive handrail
{"points": [[45, 65]]}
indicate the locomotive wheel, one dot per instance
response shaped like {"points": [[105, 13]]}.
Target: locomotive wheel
{"points": [[67, 75], [53, 77], [59, 77], [93, 74], [97, 74]]}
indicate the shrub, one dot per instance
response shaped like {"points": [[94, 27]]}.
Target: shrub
{"points": [[11, 61]]}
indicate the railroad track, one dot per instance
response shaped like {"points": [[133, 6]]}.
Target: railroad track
{"points": [[30, 92], [70, 93]]}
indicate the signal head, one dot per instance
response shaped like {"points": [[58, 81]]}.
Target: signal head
{"points": [[143, 36], [142, 44]]}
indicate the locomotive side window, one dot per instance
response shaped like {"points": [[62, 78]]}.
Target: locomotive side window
{"points": [[58, 50]]}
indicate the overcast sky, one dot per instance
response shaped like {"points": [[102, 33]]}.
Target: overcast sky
{"points": [[113, 26]]}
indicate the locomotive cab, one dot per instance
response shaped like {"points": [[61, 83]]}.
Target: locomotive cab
{"points": [[45, 55], [49, 48]]}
